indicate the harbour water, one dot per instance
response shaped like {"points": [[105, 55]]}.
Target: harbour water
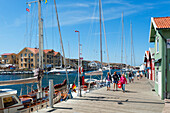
{"points": [[56, 79]]}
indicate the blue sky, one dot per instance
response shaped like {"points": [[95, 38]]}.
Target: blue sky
{"points": [[18, 28]]}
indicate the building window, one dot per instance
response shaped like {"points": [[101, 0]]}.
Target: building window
{"points": [[21, 55], [21, 65], [25, 54], [31, 60], [7, 60], [21, 60], [51, 61], [29, 54], [47, 56], [25, 65], [32, 65], [5, 56], [26, 50], [43, 60], [157, 45], [25, 60], [32, 54]]}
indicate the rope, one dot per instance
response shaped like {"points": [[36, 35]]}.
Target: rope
{"points": [[91, 28]]}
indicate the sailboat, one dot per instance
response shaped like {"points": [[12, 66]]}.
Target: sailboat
{"points": [[38, 98], [100, 71], [59, 70]]}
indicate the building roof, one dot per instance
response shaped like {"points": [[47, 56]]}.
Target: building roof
{"points": [[152, 52], [33, 50], [147, 56], [47, 50], [158, 23], [55, 53], [162, 22], [8, 53]]}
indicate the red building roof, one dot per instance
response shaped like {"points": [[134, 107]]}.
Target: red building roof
{"points": [[47, 50], [34, 50], [162, 22], [55, 53], [7, 53]]}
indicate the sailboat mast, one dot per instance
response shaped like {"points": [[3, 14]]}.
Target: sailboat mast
{"points": [[105, 39], [40, 21], [131, 42], [100, 37], [61, 42], [122, 46]]}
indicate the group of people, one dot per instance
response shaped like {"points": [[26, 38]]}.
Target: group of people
{"points": [[115, 78], [139, 75]]}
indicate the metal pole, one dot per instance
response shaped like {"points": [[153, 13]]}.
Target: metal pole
{"points": [[79, 88], [51, 90]]}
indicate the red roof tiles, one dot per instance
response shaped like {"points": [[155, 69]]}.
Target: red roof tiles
{"points": [[162, 22], [55, 53], [7, 53], [47, 50]]}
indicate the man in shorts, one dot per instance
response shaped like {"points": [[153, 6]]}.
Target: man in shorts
{"points": [[115, 80]]}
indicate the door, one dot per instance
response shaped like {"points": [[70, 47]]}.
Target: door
{"points": [[159, 83]]}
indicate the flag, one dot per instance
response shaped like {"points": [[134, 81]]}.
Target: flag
{"points": [[27, 10], [73, 86], [45, 1], [76, 31]]}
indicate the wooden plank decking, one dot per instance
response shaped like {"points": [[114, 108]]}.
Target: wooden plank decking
{"points": [[138, 98]]}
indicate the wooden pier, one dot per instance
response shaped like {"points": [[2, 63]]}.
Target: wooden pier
{"points": [[138, 98]]}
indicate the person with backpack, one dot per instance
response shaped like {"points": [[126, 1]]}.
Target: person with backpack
{"points": [[130, 77], [115, 80]]}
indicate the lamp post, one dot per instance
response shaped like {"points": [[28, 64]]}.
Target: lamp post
{"points": [[79, 88]]}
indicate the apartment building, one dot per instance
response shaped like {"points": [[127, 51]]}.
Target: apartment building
{"points": [[9, 58], [29, 58]]}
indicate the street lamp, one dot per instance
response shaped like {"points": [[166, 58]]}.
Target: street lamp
{"points": [[79, 88]]}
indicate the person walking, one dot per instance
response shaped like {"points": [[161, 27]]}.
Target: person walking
{"points": [[115, 81], [141, 75], [108, 81], [123, 82], [133, 76], [138, 75], [130, 77]]}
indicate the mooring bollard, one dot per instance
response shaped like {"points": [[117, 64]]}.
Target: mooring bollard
{"points": [[51, 90]]}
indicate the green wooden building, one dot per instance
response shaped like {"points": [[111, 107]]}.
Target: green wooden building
{"points": [[160, 36]]}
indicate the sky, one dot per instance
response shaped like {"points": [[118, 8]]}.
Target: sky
{"points": [[19, 28]]}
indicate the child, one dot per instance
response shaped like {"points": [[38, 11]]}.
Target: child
{"points": [[123, 82]]}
